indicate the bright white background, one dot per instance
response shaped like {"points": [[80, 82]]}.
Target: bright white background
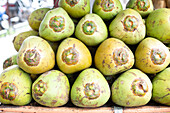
{"points": [[6, 46]]}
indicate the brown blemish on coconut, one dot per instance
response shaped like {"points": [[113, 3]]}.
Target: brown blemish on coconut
{"points": [[127, 103], [158, 98], [43, 102], [20, 74], [85, 3], [78, 89], [133, 74], [83, 8], [61, 74], [168, 89], [42, 12], [78, 100], [46, 26], [103, 62], [53, 102], [63, 97], [58, 78]]}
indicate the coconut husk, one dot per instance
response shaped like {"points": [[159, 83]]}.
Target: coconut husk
{"points": [[159, 3], [168, 3]]}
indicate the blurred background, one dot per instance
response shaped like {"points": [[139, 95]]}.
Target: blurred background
{"points": [[13, 12]]}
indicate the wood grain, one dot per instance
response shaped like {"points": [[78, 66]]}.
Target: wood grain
{"points": [[168, 3], [159, 4], [29, 109]]}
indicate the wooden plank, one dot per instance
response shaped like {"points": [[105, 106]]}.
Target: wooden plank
{"points": [[150, 109], [55, 110], [29, 109]]}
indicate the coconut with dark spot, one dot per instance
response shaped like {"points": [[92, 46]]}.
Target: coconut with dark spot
{"points": [[158, 23], [36, 17], [161, 87], [10, 61], [56, 25], [76, 8], [151, 56], [36, 55], [132, 88], [113, 56], [90, 89], [128, 26], [19, 38], [51, 89], [107, 9], [143, 7], [15, 86], [73, 56]]}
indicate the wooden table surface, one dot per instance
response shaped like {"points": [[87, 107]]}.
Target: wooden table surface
{"points": [[113, 109]]}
